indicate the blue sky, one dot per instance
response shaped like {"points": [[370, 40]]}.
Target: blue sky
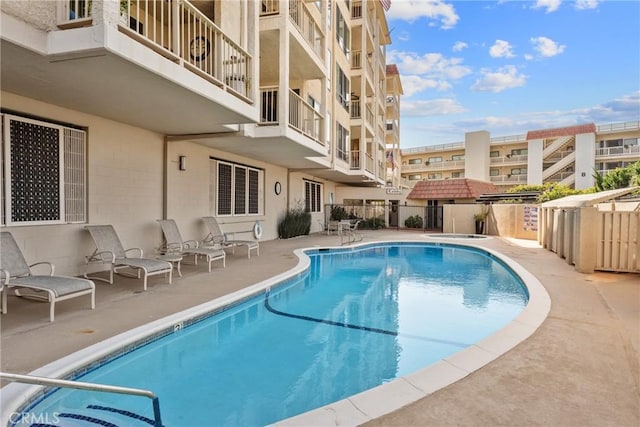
{"points": [[512, 66]]}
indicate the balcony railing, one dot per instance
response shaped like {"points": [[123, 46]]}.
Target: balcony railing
{"points": [[304, 118], [269, 105], [356, 10], [307, 26], [355, 160], [179, 31], [368, 165], [615, 127], [369, 114], [356, 109], [618, 151], [509, 178], [270, 7], [356, 59], [510, 159]]}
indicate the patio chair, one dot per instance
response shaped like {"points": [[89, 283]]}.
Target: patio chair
{"points": [[16, 273], [350, 232], [173, 244], [109, 250], [217, 237]]}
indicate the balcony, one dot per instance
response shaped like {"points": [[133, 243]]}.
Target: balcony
{"points": [[149, 53], [622, 151], [509, 159], [509, 179], [302, 117]]}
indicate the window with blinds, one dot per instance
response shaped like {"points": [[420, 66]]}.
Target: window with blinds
{"points": [[236, 190], [312, 196], [46, 166]]}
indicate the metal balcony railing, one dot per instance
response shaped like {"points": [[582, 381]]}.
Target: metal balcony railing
{"points": [[356, 10], [304, 118], [308, 27], [270, 7], [269, 105], [510, 159], [355, 107], [368, 165], [618, 151], [356, 59], [179, 31], [355, 160]]}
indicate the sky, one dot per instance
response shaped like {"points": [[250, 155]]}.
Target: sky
{"points": [[510, 66]]}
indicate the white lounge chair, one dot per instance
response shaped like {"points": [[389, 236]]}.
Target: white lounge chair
{"points": [[16, 273], [350, 232], [173, 244], [217, 237], [109, 250]]}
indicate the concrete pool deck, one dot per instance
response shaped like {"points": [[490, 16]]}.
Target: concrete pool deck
{"points": [[581, 367]]}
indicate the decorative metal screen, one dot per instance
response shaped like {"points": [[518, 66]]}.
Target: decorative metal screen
{"points": [[240, 196], [224, 188], [35, 172], [47, 172], [254, 191]]}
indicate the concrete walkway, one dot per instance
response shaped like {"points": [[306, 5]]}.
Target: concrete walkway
{"points": [[581, 367]]}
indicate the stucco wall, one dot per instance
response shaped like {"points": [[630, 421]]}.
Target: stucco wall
{"points": [[513, 221], [124, 177]]}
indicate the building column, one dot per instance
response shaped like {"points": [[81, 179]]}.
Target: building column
{"points": [[534, 162], [585, 160]]}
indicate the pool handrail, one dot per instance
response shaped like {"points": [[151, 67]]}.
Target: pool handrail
{"points": [[54, 382]]}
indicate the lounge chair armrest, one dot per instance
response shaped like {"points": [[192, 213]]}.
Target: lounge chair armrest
{"points": [[51, 266], [4, 277], [213, 240], [99, 256], [191, 244], [140, 254], [172, 247]]}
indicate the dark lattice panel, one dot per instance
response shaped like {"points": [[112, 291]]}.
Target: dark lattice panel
{"points": [[254, 207], [241, 190], [224, 188], [35, 172]]}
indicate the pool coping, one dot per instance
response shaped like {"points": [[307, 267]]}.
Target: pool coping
{"points": [[354, 410]]}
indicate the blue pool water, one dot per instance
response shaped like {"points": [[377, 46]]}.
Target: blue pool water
{"points": [[356, 319]]}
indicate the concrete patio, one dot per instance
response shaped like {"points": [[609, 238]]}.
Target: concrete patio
{"points": [[581, 367]]}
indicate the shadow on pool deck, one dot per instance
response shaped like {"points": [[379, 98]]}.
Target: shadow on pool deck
{"points": [[579, 368]]}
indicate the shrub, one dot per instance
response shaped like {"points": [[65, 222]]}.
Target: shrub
{"points": [[414, 221], [297, 222], [372, 223], [338, 213]]}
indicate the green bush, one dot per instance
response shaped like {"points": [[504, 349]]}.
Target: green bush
{"points": [[296, 222], [338, 213], [414, 221], [372, 223]]}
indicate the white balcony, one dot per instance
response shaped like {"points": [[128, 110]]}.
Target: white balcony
{"points": [[147, 53]]}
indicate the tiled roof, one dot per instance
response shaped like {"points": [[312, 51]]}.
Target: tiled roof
{"points": [[459, 188], [570, 130], [392, 69]]}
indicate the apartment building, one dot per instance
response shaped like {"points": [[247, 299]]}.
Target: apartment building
{"points": [[568, 155], [392, 136], [124, 112]]}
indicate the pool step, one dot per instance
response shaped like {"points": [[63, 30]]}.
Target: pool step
{"points": [[97, 415]]}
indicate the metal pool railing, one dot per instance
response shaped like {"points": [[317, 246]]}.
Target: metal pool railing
{"points": [[52, 382]]}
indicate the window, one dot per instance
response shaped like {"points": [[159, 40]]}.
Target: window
{"points": [[329, 67], [494, 172], [342, 139], [342, 32], [415, 161], [342, 87], [494, 154], [434, 159], [457, 157], [519, 151], [415, 177], [435, 175], [237, 190], [457, 174], [45, 163], [312, 196]]}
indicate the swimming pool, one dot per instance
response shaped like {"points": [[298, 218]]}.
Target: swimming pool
{"points": [[374, 329]]}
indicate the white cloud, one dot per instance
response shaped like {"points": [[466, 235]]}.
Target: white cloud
{"points": [[549, 5], [432, 107], [547, 47], [497, 81], [622, 109], [528, 57], [432, 65], [411, 10], [586, 4], [458, 46], [501, 49], [404, 36], [412, 84]]}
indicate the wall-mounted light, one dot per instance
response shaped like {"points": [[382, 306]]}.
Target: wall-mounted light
{"points": [[182, 163]]}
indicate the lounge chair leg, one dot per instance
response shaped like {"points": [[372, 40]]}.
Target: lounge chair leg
{"points": [[171, 274], [52, 309], [4, 299]]}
